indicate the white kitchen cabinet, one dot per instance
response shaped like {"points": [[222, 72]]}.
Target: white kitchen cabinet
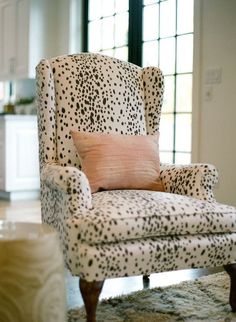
{"points": [[28, 32], [19, 165]]}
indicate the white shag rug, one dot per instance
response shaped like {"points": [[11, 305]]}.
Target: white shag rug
{"points": [[204, 299]]}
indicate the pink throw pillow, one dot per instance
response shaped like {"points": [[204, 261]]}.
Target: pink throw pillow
{"points": [[117, 161]]}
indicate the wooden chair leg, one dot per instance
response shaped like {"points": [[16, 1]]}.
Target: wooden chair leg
{"points": [[146, 281], [90, 292], [231, 270]]}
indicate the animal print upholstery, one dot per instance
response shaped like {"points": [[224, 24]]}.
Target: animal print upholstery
{"points": [[129, 232], [149, 255], [139, 214], [195, 180]]}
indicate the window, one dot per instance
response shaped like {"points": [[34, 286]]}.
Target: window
{"points": [[157, 33], [108, 24], [167, 42]]}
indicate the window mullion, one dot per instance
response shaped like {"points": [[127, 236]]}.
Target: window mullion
{"points": [[135, 32], [85, 9]]}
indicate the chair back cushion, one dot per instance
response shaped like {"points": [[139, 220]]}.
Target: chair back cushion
{"points": [[95, 93]]}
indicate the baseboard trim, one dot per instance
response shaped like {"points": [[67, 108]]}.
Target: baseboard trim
{"points": [[19, 195]]}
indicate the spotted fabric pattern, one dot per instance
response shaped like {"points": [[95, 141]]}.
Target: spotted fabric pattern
{"points": [[130, 232], [194, 180], [69, 180], [157, 254], [122, 215]]}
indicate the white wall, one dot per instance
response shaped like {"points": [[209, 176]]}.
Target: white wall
{"points": [[76, 27], [50, 25], [214, 109], [63, 24]]}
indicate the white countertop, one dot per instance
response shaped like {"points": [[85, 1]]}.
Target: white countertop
{"points": [[19, 117]]}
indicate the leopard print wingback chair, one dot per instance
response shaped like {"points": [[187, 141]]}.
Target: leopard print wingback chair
{"points": [[183, 227]]}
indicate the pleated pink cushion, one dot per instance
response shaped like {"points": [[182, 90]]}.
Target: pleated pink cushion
{"points": [[116, 161]]}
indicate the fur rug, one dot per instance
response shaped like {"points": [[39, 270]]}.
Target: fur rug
{"points": [[204, 299]]}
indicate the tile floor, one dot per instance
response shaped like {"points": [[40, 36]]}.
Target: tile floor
{"points": [[29, 211]]}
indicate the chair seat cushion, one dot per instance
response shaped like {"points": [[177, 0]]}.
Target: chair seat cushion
{"points": [[134, 214]]}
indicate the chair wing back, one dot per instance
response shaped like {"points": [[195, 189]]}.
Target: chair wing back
{"points": [[95, 93]]}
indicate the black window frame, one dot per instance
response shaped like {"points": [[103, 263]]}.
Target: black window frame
{"points": [[135, 50], [134, 32]]}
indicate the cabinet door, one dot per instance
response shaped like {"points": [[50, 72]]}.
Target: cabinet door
{"points": [[7, 38], [22, 166]]}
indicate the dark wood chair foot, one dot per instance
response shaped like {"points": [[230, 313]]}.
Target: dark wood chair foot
{"points": [[90, 292], [146, 281], [231, 270]]}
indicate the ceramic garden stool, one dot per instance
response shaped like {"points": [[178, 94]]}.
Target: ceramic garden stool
{"points": [[32, 287]]}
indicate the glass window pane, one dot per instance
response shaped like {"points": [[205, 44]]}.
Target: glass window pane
{"points": [[167, 18], [166, 157], [150, 22], [146, 2], [108, 52], [169, 92], [121, 53], [108, 8], [121, 29], [108, 33], [184, 93], [167, 55], [94, 36], [184, 53], [182, 158], [95, 9], [150, 53], [185, 16], [183, 132], [166, 132], [121, 5]]}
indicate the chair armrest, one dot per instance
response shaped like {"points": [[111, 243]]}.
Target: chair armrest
{"points": [[195, 180], [68, 180], [65, 193]]}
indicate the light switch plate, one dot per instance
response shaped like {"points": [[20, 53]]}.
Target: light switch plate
{"points": [[213, 76]]}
